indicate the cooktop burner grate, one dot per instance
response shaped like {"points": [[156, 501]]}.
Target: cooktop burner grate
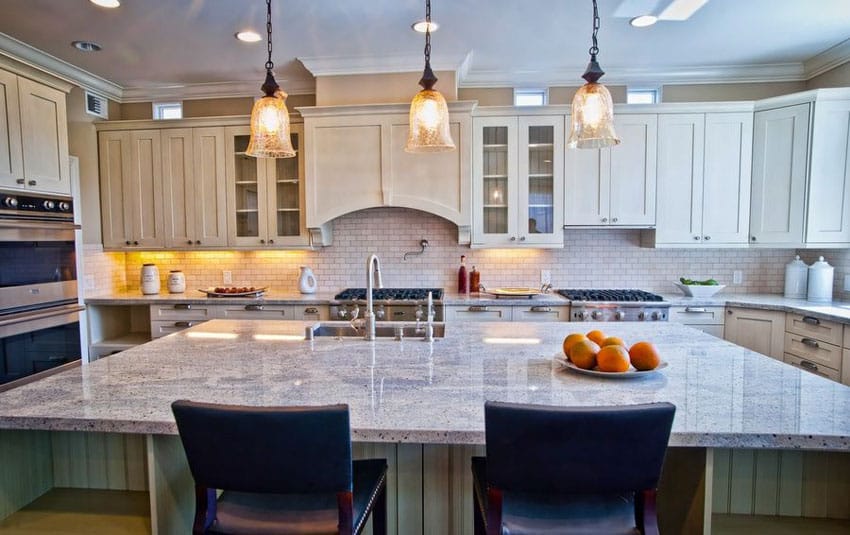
{"points": [[609, 295], [390, 294]]}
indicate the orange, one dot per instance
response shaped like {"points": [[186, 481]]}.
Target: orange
{"points": [[613, 341], [597, 336], [613, 359], [583, 354], [571, 340], [644, 356]]}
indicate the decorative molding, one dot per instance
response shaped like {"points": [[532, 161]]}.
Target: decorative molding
{"points": [[828, 59], [212, 90], [456, 106], [58, 68], [339, 65]]}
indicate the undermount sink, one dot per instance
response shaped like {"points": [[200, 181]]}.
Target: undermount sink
{"points": [[343, 329]]}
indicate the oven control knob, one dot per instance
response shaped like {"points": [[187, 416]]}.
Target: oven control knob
{"points": [[10, 202], [618, 315], [342, 313], [654, 316], [419, 314], [596, 314], [64, 206], [380, 313], [48, 205], [580, 315], [641, 316]]}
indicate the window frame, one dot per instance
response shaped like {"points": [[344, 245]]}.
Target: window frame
{"points": [[529, 91], [160, 107]]}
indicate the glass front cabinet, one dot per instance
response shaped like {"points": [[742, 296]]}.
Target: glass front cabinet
{"points": [[265, 204], [518, 167]]}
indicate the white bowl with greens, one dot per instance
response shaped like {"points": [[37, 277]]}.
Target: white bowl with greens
{"points": [[698, 288]]}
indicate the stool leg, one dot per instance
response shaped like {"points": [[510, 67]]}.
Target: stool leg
{"points": [[478, 520], [379, 512]]}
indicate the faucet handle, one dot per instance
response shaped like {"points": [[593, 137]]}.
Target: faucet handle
{"points": [[355, 312]]}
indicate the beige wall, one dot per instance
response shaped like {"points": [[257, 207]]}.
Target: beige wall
{"points": [[378, 88], [720, 92], [837, 77], [210, 107], [82, 143], [487, 96]]}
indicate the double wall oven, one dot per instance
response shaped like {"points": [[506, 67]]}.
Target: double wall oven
{"points": [[39, 306]]}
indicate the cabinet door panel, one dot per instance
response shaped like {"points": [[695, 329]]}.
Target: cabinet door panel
{"points": [[762, 331], [829, 180], [680, 178], [246, 191], [633, 171], [587, 187], [540, 187], [11, 154], [178, 187], [44, 133], [495, 180], [146, 188], [286, 221], [780, 147], [726, 182], [115, 169], [210, 204]]}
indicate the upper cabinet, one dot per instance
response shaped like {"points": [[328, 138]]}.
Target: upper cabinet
{"points": [[33, 136], [517, 185], [614, 186], [801, 171], [355, 159], [704, 162]]}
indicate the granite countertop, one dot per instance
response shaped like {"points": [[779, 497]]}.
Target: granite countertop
{"points": [[195, 297], [419, 392], [835, 311]]}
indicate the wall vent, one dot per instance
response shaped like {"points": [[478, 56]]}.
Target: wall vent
{"points": [[97, 105]]}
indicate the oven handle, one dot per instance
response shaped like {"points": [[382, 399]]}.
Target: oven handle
{"points": [[40, 314], [41, 319], [38, 225]]}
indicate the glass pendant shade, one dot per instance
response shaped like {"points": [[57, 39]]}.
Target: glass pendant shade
{"points": [[270, 128], [429, 123], [592, 121]]}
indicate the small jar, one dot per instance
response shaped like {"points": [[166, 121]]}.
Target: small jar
{"points": [[150, 279], [176, 281]]}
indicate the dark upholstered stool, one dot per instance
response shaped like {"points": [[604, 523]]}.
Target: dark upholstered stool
{"points": [[570, 470], [282, 470]]}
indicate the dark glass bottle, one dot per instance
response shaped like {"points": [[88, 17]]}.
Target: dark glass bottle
{"points": [[462, 277], [474, 280]]}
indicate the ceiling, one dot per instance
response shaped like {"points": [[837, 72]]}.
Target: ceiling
{"points": [[156, 43]]}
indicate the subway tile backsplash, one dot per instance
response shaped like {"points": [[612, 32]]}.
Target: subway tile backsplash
{"points": [[590, 258]]}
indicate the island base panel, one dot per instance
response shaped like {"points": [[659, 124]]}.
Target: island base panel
{"points": [[26, 470]]}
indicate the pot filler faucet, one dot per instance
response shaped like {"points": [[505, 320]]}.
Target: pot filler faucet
{"points": [[369, 317]]}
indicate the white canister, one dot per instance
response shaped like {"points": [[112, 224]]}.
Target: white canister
{"points": [[820, 281], [796, 277], [176, 281], [307, 281], [150, 279]]}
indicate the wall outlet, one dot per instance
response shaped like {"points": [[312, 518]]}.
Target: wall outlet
{"points": [[737, 277], [545, 277], [227, 277], [847, 283], [89, 282]]}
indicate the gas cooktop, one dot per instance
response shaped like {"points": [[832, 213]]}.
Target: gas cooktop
{"points": [[390, 294], [609, 295]]}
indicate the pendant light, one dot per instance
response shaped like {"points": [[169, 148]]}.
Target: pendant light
{"points": [[592, 122], [270, 118], [429, 113]]}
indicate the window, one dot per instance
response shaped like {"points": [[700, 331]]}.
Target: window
{"points": [[643, 96], [529, 97], [167, 110]]}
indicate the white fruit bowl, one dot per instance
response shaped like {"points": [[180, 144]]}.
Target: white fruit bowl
{"points": [[698, 290]]}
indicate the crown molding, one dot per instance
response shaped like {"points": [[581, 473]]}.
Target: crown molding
{"points": [[58, 68], [211, 90], [828, 59], [339, 65]]}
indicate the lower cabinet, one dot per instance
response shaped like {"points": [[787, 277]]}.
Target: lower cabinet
{"points": [[814, 345], [507, 313], [707, 319], [762, 331], [167, 319]]}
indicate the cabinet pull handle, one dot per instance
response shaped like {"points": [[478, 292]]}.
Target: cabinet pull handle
{"points": [[32, 183], [256, 307], [541, 309], [478, 308], [695, 310], [811, 320], [809, 365], [20, 181], [311, 310], [183, 323], [182, 306], [809, 342]]}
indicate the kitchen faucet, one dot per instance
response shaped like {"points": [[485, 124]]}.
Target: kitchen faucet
{"points": [[369, 317]]}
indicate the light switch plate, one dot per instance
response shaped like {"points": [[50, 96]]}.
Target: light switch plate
{"points": [[545, 276], [226, 277], [737, 277]]}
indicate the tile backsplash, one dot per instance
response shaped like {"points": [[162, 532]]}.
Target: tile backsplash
{"points": [[590, 258]]}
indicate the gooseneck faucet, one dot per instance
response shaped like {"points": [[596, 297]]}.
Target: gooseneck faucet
{"points": [[373, 272]]}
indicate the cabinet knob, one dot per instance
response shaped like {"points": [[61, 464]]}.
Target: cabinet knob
{"points": [[197, 242], [32, 183], [707, 238], [697, 238], [752, 238], [614, 220], [271, 241], [127, 242], [522, 238], [189, 242], [604, 219], [19, 181], [263, 241], [513, 238], [135, 243]]}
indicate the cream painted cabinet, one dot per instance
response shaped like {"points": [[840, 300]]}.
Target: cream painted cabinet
{"points": [[265, 196], [193, 176], [454, 313], [614, 186], [762, 331], [704, 165], [518, 181], [34, 136], [131, 189], [708, 319]]}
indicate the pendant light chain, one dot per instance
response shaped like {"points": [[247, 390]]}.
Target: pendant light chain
{"points": [[594, 49], [427, 31], [269, 64]]}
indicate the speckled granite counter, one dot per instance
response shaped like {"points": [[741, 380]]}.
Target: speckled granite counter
{"points": [[412, 391], [835, 311], [196, 297]]}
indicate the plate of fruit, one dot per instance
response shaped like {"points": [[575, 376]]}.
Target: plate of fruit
{"points": [[699, 288], [234, 291], [609, 357]]}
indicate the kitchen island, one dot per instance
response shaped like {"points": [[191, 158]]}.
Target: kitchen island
{"points": [[419, 404]]}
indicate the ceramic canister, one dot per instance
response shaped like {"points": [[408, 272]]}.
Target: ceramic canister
{"points": [[796, 277], [150, 279], [176, 282], [820, 281]]}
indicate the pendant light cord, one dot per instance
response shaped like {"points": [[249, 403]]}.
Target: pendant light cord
{"points": [[269, 64], [594, 49]]}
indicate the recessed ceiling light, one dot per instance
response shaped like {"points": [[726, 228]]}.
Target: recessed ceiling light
{"points": [[249, 36], [106, 3], [86, 46], [643, 21], [421, 25]]}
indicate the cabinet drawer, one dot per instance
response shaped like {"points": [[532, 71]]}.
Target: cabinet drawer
{"points": [[540, 313], [825, 331], [697, 315], [254, 311], [813, 367], [808, 348], [478, 313], [847, 336], [308, 312], [845, 368], [182, 311], [713, 330], [162, 328]]}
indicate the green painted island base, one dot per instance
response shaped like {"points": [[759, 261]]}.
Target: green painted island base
{"points": [[429, 485]]}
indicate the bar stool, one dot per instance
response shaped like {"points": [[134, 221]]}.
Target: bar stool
{"points": [[282, 470], [576, 470]]}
